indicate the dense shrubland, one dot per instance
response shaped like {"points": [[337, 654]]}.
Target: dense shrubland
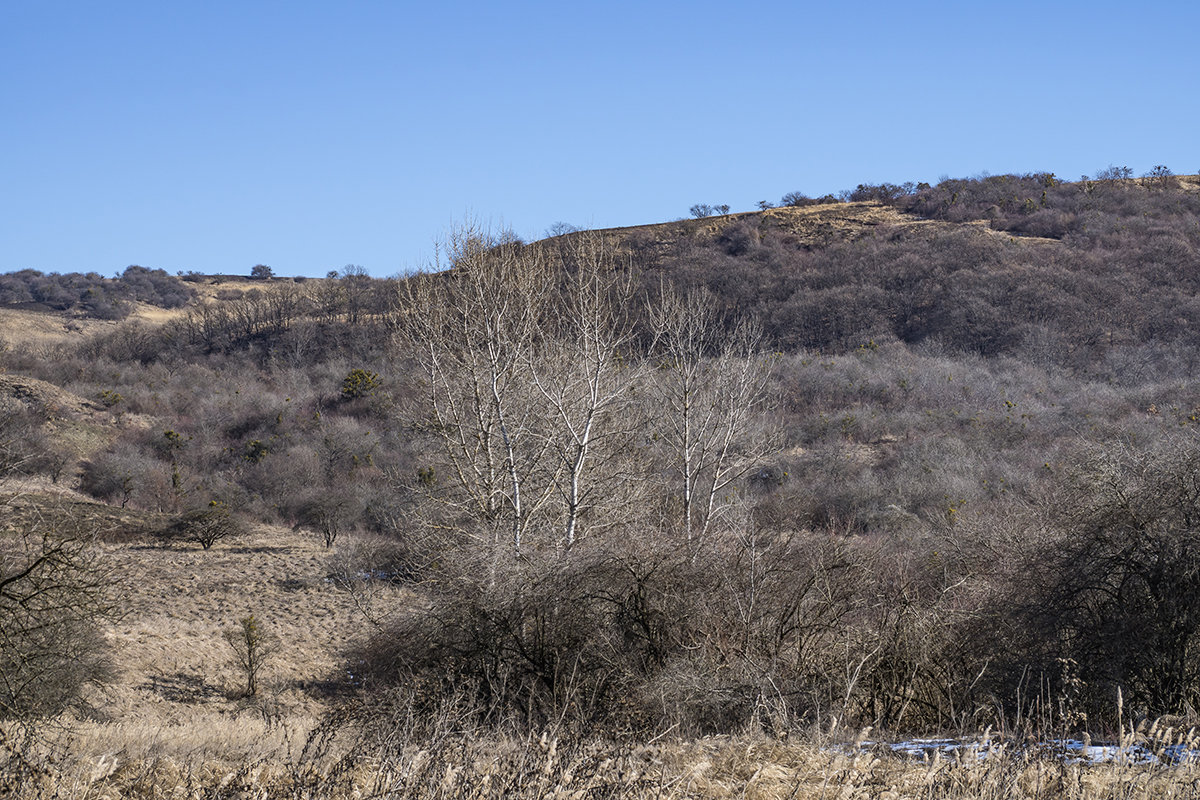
{"points": [[92, 295], [911, 479], [1069, 272]]}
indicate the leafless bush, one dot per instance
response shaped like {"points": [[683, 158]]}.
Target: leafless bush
{"points": [[53, 594], [330, 512], [372, 557], [641, 636], [24, 447], [126, 475], [1161, 177], [1112, 581]]}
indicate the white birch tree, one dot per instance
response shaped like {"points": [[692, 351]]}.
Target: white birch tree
{"points": [[475, 327], [710, 391], [584, 373]]}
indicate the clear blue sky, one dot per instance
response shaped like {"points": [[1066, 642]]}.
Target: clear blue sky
{"points": [[211, 135]]}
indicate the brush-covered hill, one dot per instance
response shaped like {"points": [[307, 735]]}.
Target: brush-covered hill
{"points": [[1021, 265], [943, 371]]}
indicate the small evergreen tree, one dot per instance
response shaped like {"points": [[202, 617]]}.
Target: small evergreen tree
{"points": [[252, 648], [360, 383]]}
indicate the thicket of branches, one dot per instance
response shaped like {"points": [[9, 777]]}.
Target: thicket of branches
{"points": [[880, 595], [54, 592]]}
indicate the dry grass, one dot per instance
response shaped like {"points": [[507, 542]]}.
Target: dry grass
{"points": [[815, 224], [174, 725], [176, 713], [41, 330], [179, 600], [263, 761], [46, 398]]}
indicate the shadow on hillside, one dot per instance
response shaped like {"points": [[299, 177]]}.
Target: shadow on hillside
{"points": [[265, 548], [325, 689], [183, 687]]}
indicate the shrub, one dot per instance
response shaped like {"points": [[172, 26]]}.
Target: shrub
{"points": [[1111, 173], [111, 398], [24, 447], [93, 294], [1118, 573], [739, 238], [252, 649], [630, 637], [1161, 177], [330, 512], [360, 383], [53, 595], [154, 286], [370, 557], [207, 525], [126, 475]]}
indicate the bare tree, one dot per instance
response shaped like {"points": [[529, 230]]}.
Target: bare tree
{"points": [[710, 391], [1111, 173], [795, 199], [562, 229], [330, 513], [474, 327], [1160, 177], [356, 289], [208, 524], [525, 351], [586, 383]]}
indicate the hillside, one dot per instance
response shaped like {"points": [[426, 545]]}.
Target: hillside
{"points": [[936, 426], [1023, 265]]}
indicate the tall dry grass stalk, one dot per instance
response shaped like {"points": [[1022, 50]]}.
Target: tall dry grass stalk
{"points": [[252, 758]]}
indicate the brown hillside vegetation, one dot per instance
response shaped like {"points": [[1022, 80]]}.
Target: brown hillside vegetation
{"points": [[176, 600], [673, 510]]}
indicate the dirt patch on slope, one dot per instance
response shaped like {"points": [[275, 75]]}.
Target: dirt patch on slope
{"points": [[45, 398]]}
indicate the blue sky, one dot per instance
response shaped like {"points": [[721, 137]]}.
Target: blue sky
{"points": [[214, 135]]}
